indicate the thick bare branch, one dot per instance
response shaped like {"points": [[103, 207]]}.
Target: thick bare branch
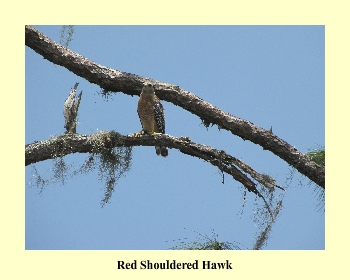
{"points": [[118, 81], [96, 143]]}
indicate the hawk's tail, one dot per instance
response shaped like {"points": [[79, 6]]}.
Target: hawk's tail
{"points": [[162, 150]]}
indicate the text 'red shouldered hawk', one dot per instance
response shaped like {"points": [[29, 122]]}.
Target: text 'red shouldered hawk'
{"points": [[151, 114]]}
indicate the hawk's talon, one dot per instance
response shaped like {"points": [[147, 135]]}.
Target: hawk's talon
{"points": [[153, 132], [138, 134]]}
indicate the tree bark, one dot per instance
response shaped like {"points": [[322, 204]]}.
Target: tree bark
{"points": [[111, 80]]}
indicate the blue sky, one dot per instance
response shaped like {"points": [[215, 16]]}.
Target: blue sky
{"points": [[268, 75]]}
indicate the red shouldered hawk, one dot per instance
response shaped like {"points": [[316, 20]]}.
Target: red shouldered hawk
{"points": [[151, 114]]}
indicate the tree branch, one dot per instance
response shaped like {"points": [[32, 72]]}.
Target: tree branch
{"points": [[97, 143], [111, 80]]}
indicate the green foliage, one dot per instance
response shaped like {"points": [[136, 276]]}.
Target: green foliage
{"points": [[318, 156], [66, 34], [265, 215], [207, 243]]}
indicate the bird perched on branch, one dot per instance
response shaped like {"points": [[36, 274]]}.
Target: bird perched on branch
{"points": [[151, 114]]}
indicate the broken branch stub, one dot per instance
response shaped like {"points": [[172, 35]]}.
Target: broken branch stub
{"points": [[70, 110]]}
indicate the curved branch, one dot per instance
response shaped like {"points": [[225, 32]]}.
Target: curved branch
{"points": [[117, 81], [97, 143]]}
